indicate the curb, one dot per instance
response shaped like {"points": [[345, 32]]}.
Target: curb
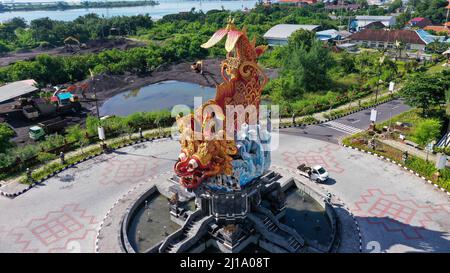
{"points": [[399, 165], [97, 237], [37, 182]]}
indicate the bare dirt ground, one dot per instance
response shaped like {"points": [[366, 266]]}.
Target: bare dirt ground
{"points": [[91, 47], [107, 86]]}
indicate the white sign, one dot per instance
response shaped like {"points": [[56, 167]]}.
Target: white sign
{"points": [[391, 86], [373, 115], [441, 161], [429, 147], [101, 133]]}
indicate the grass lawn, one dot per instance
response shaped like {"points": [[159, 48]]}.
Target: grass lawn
{"points": [[413, 117], [436, 68]]}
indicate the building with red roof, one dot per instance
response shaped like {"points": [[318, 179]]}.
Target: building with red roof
{"points": [[419, 22]]}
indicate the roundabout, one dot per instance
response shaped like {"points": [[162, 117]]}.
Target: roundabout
{"points": [[417, 221]]}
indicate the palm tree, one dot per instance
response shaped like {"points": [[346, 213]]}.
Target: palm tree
{"points": [[399, 46]]}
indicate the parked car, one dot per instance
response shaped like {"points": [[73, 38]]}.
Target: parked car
{"points": [[316, 173]]}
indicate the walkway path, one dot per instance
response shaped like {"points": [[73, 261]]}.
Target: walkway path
{"points": [[411, 150]]}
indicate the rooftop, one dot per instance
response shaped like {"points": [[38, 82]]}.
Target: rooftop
{"points": [[417, 19], [428, 38], [437, 28], [368, 17], [406, 36], [17, 89], [283, 31]]}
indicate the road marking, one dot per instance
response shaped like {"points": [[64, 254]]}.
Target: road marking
{"points": [[395, 107], [356, 121], [342, 127]]}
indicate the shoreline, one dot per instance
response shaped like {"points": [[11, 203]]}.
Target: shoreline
{"points": [[30, 7]]}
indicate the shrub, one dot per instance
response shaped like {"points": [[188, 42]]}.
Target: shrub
{"points": [[92, 124], [6, 159], [308, 119], [5, 134], [426, 131], [44, 157], [52, 142], [75, 133], [25, 152]]}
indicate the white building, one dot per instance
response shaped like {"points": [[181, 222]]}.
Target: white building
{"points": [[379, 2], [279, 34], [363, 20]]}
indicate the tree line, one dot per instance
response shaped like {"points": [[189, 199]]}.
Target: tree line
{"points": [[17, 34]]}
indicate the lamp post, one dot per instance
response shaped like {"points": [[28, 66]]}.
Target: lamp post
{"points": [[101, 131], [379, 78]]}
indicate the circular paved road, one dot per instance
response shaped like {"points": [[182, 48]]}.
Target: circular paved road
{"points": [[396, 210]]}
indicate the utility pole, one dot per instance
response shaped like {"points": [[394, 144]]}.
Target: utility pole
{"points": [[95, 95]]}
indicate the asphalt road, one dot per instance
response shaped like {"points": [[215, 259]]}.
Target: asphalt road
{"points": [[332, 131]]}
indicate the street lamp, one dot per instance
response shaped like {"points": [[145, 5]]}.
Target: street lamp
{"points": [[100, 129], [381, 61]]}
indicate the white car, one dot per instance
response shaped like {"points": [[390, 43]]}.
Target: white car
{"points": [[318, 174]]}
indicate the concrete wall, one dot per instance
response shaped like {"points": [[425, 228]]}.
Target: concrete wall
{"points": [[277, 42]]}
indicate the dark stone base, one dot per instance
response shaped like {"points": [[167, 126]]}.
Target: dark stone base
{"points": [[232, 219]]}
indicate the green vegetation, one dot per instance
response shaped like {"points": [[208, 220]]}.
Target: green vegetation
{"points": [[432, 9], [62, 5], [419, 165], [426, 90], [411, 121], [174, 38], [427, 131], [16, 159], [5, 134], [420, 129], [16, 34]]}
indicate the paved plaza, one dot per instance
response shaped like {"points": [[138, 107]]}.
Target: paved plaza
{"points": [[396, 210]]}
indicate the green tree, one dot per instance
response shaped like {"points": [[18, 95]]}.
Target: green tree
{"points": [[426, 131], [396, 4], [4, 48], [425, 91], [305, 66], [432, 9], [5, 134], [301, 38]]}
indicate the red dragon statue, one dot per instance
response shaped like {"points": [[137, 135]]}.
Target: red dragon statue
{"points": [[243, 83]]}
